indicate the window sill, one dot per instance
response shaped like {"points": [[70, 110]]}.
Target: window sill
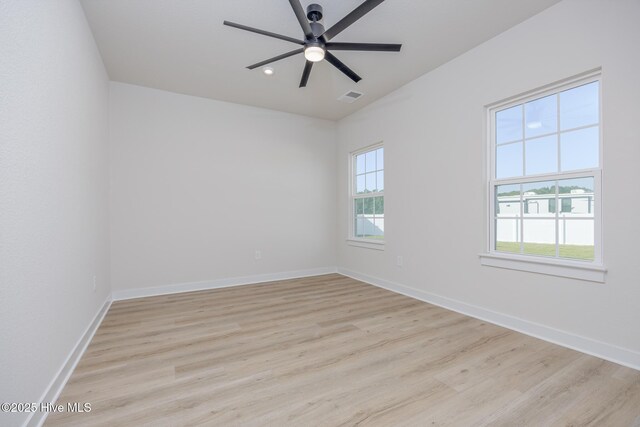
{"points": [[368, 244], [552, 267]]}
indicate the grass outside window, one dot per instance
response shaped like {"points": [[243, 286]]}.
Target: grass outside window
{"points": [[580, 252]]}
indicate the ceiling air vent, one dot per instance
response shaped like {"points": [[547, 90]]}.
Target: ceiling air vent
{"points": [[350, 96]]}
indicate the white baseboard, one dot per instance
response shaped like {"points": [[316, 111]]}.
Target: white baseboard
{"points": [[219, 283], [56, 385], [613, 353]]}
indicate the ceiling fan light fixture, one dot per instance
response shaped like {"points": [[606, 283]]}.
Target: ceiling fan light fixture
{"points": [[314, 53], [316, 44]]}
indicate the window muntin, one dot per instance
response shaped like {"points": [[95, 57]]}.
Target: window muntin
{"points": [[367, 194], [546, 173]]}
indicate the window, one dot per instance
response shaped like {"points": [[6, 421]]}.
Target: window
{"points": [[545, 174], [367, 195]]}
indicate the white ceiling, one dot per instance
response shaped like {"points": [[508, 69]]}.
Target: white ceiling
{"points": [[182, 46]]}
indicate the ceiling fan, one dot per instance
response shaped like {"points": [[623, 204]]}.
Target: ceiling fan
{"points": [[316, 43]]}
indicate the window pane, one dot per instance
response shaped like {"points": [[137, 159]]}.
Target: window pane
{"points": [[579, 106], [360, 184], [370, 182], [541, 155], [507, 235], [577, 197], [539, 237], [509, 125], [541, 116], [370, 162], [360, 164], [509, 160], [380, 180], [368, 205], [538, 199], [380, 158], [579, 149], [359, 207], [378, 207], [547, 136], [360, 226], [369, 178], [368, 227], [378, 228], [577, 239], [507, 200]]}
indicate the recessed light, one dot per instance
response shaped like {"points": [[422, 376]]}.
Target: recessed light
{"points": [[268, 71]]}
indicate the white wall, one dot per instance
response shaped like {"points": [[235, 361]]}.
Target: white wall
{"points": [[197, 186], [434, 135], [53, 191]]}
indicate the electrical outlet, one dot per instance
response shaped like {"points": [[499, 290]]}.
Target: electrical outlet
{"points": [[95, 283], [399, 261], [258, 255]]}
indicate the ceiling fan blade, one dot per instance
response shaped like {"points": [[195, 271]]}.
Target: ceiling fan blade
{"points": [[373, 47], [264, 33], [340, 66], [305, 73], [352, 17], [302, 18], [276, 58]]}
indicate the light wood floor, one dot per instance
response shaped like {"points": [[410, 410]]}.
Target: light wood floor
{"points": [[332, 351]]}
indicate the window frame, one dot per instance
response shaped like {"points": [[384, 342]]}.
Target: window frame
{"points": [[581, 269], [352, 239]]}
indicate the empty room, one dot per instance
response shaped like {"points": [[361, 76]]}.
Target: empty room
{"points": [[319, 213]]}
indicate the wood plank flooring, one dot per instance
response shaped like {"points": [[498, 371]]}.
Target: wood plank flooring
{"points": [[332, 351]]}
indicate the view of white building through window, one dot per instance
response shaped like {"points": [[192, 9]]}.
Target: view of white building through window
{"points": [[367, 194], [546, 173]]}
